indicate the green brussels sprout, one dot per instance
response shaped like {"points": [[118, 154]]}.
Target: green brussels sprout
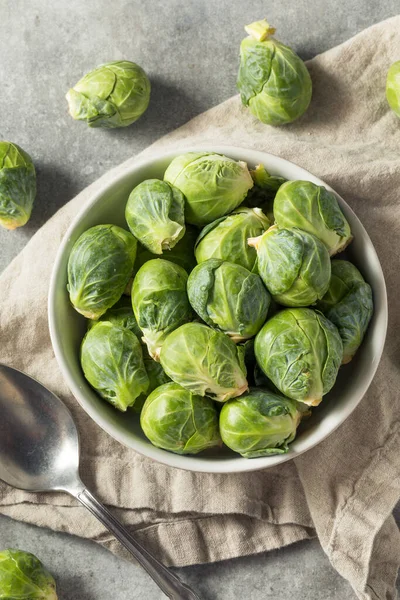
{"points": [[313, 208], [259, 423], [263, 192], [272, 80], [17, 186], [113, 95], [293, 264], [23, 577], [99, 268], [120, 314], [300, 351], [348, 304], [160, 301], [226, 238], [155, 215], [212, 184], [180, 421], [182, 254], [393, 87], [112, 362], [204, 361], [228, 297]]}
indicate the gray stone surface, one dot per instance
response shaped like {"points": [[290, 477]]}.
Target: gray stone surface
{"points": [[189, 50]]}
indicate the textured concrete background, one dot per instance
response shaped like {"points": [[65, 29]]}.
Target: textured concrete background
{"points": [[189, 49]]}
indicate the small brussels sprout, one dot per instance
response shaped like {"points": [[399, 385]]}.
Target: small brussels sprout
{"points": [[272, 80], [300, 351], [348, 304], [113, 95], [204, 361], [182, 254], [263, 192], [393, 87], [112, 361], [155, 215], [228, 297], [160, 301], [177, 420], [99, 268], [259, 423], [17, 186], [23, 577], [120, 314], [313, 208], [226, 238], [212, 184], [293, 264]]}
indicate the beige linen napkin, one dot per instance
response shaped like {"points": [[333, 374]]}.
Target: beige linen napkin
{"points": [[344, 490]]}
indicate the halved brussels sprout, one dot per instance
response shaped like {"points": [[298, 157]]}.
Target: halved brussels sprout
{"points": [[120, 314], [160, 301], [313, 208], [155, 215], [348, 304], [226, 238], [204, 361], [263, 192], [113, 95], [177, 420], [212, 184], [293, 264], [393, 87], [99, 268], [259, 423], [112, 361], [17, 186], [228, 297], [272, 80], [300, 351], [182, 254], [23, 577]]}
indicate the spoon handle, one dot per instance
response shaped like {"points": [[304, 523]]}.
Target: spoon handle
{"points": [[166, 580]]}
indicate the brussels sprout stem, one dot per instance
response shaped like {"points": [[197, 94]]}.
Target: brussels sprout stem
{"points": [[260, 30]]}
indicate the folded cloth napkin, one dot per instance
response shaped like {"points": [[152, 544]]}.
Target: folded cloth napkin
{"points": [[344, 490]]}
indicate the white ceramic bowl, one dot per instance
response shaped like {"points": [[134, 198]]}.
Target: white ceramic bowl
{"points": [[67, 327]]}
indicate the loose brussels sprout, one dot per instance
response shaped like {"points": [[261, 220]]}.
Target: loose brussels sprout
{"points": [[228, 297], [155, 215], [99, 268], [17, 186], [259, 423], [113, 95], [177, 420], [393, 87], [112, 361], [348, 304], [23, 577], [160, 301], [263, 192], [272, 80], [293, 264], [212, 184], [301, 352], [120, 314], [226, 238], [313, 208], [204, 361], [182, 254]]}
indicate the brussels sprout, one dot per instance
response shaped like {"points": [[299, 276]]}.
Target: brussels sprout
{"points": [[263, 192], [120, 314], [99, 267], [228, 297], [259, 423], [115, 94], [204, 361], [155, 215], [160, 301], [23, 577], [348, 304], [226, 238], [180, 421], [112, 361], [17, 186], [272, 80], [212, 184], [293, 264], [182, 254], [393, 87], [301, 352], [313, 208]]}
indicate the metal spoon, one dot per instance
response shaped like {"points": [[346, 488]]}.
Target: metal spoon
{"points": [[39, 452]]}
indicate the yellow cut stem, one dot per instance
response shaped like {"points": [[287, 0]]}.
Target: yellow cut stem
{"points": [[260, 30]]}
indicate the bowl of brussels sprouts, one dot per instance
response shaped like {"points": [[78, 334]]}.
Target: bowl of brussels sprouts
{"points": [[217, 310]]}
